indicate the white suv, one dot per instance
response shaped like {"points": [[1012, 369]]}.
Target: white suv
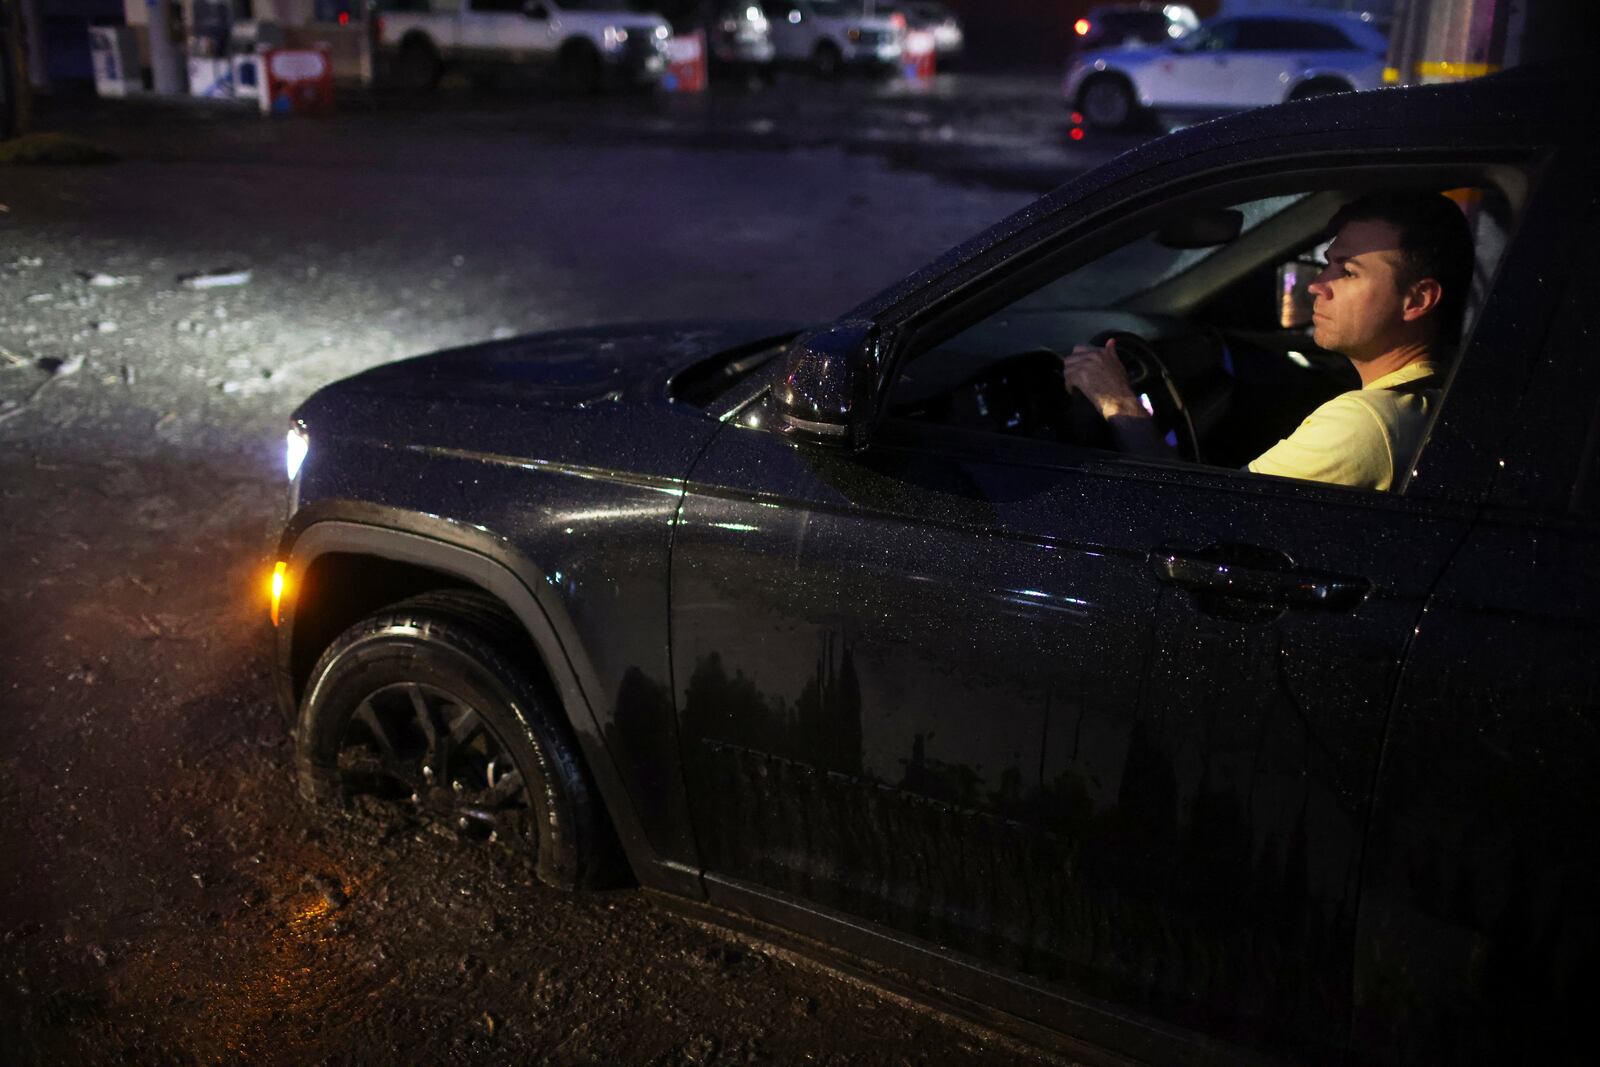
{"points": [[587, 42], [833, 34], [1228, 64]]}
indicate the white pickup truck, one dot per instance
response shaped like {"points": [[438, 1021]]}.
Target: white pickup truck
{"points": [[832, 34], [588, 43]]}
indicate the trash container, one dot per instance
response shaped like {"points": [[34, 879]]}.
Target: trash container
{"points": [[114, 51]]}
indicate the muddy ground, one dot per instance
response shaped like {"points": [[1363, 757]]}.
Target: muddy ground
{"points": [[165, 897]]}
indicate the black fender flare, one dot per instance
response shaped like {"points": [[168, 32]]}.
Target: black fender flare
{"points": [[487, 563]]}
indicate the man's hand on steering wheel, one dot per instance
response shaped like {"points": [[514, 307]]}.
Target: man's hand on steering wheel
{"points": [[1098, 374]]}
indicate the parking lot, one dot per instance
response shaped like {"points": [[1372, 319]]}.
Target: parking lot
{"points": [[170, 898]]}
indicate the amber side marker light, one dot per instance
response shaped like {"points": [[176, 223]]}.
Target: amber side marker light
{"points": [[276, 586]]}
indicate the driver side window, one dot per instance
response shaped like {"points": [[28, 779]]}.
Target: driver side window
{"points": [[1215, 38], [1216, 345], [1209, 307]]}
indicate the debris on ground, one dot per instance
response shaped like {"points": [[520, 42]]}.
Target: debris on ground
{"points": [[101, 280], [58, 368], [215, 279], [329, 889]]}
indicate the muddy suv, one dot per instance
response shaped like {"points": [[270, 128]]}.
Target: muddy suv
{"points": [[587, 44], [863, 632]]}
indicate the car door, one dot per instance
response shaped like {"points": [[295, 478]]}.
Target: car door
{"points": [[1200, 71], [1265, 57], [503, 30], [947, 686], [1206, 659]]}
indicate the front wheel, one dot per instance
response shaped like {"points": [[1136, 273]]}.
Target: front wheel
{"points": [[827, 61], [421, 707], [1107, 103], [580, 70], [418, 66]]}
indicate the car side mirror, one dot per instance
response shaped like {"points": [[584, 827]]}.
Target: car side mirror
{"points": [[536, 11], [830, 379], [1294, 293]]}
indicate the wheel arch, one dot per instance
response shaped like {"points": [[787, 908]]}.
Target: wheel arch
{"points": [[416, 37], [1116, 74], [363, 560], [584, 41], [1312, 83]]}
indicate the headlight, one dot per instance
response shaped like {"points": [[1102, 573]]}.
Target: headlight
{"points": [[296, 445], [662, 33], [614, 37]]}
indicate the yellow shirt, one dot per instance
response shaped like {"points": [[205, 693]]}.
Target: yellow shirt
{"points": [[1358, 438]]}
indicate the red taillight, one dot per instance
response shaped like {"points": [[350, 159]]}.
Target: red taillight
{"points": [[1082, 27], [1076, 133], [344, 18], [897, 20]]}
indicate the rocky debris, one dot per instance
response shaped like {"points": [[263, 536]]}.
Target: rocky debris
{"points": [[100, 280], [215, 279], [61, 367], [329, 888]]}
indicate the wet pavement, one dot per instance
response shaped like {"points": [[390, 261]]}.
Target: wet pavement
{"points": [[168, 898]]}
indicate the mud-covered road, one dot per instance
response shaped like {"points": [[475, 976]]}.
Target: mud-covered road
{"points": [[165, 897]]}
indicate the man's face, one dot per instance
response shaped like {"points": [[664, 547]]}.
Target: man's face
{"points": [[1360, 309]]}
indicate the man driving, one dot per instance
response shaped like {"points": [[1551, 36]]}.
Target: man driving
{"points": [[1390, 299]]}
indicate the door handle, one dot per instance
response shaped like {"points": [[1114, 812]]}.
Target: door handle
{"points": [[1228, 572]]}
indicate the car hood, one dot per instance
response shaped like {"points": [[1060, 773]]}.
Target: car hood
{"points": [[598, 398], [567, 369]]}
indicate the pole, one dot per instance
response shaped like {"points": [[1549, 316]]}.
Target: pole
{"points": [[1448, 40], [163, 54], [33, 39], [14, 94]]}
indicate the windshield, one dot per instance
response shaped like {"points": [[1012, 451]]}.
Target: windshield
{"points": [[1139, 265]]}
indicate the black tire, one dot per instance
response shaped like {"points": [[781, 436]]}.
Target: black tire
{"points": [[422, 703], [827, 61], [1106, 103], [579, 70], [418, 66]]}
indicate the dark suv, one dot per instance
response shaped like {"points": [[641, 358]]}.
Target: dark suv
{"points": [[860, 630]]}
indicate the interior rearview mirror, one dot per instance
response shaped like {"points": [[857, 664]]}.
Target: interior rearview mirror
{"points": [[1201, 229], [1294, 293], [830, 378]]}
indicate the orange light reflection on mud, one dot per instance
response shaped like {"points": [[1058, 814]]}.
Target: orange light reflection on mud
{"points": [[276, 585]]}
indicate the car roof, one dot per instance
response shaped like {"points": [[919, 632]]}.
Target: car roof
{"points": [[1507, 111]]}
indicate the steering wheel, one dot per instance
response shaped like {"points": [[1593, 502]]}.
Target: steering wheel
{"points": [[1148, 377]]}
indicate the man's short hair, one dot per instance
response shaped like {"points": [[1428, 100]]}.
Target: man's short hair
{"points": [[1435, 242]]}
